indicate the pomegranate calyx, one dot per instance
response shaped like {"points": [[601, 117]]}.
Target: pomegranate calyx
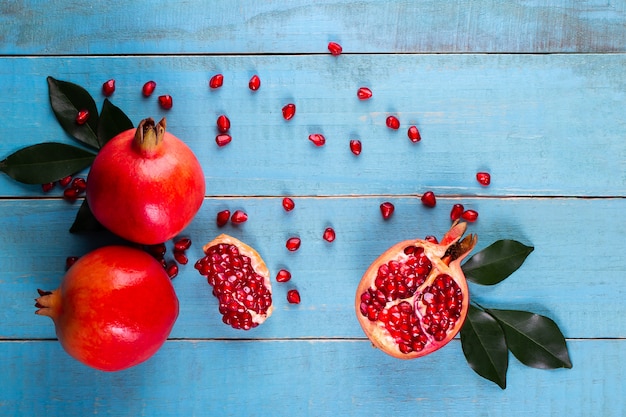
{"points": [[48, 303], [148, 136], [460, 249]]}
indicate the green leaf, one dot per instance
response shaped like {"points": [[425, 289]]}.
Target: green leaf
{"points": [[112, 122], [85, 221], [496, 262], [45, 162], [535, 340], [484, 346], [67, 99]]}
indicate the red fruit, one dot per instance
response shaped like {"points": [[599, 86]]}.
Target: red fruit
{"points": [[82, 116], [180, 257], [222, 217], [47, 187], [182, 244], [223, 123], [223, 139], [79, 184], [65, 181], [148, 88], [364, 93], [102, 315], [239, 217], [317, 139], [414, 134], [457, 210], [289, 110], [240, 281], [393, 122], [254, 83], [334, 48], [483, 178], [288, 204], [293, 244], [413, 299], [387, 209], [355, 146], [283, 276], [216, 81], [171, 268], [470, 215], [329, 234], [166, 102], [157, 251], [145, 185], [429, 199], [108, 88], [293, 297], [71, 194]]}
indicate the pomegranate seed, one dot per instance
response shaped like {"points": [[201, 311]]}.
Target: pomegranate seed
{"points": [[414, 134], [329, 234], [148, 88], [355, 146], [393, 122], [65, 181], [222, 218], [180, 257], [69, 261], [223, 139], [157, 250], [82, 116], [484, 178], [431, 239], [293, 244], [172, 269], [283, 276], [223, 123], [470, 215], [289, 110], [238, 217], [364, 93], [293, 296], [108, 88], [182, 244], [70, 194], [334, 48], [386, 209], [429, 199], [166, 102], [457, 210], [79, 184], [288, 204], [47, 187], [317, 139], [216, 81], [254, 83]]}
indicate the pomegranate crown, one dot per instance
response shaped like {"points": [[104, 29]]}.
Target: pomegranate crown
{"points": [[149, 136]]}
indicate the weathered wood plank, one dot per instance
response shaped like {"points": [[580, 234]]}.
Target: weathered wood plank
{"points": [[161, 27], [541, 124]]}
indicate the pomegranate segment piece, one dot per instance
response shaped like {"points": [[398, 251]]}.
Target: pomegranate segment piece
{"points": [[334, 48]]}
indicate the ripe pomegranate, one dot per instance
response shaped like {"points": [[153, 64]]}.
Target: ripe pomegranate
{"points": [[114, 309], [240, 281], [145, 185], [414, 298]]}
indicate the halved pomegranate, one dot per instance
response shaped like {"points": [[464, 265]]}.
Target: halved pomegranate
{"points": [[414, 298]]}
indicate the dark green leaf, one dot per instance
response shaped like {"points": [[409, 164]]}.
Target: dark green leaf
{"points": [[85, 220], [484, 346], [496, 262], [112, 121], [66, 100], [534, 339], [46, 162]]}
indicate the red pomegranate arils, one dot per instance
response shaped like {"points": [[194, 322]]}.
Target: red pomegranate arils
{"points": [[334, 48], [484, 178], [470, 215], [182, 244], [414, 134], [157, 251], [456, 212], [222, 218], [47, 187], [69, 261], [172, 269], [166, 102], [432, 239], [148, 88], [364, 93], [387, 209], [82, 116], [238, 217], [283, 276], [108, 88], [70, 194], [429, 199], [79, 184], [392, 122], [293, 244], [65, 181], [289, 110], [318, 139], [288, 204], [180, 257], [293, 297], [329, 234], [223, 139], [254, 83], [223, 123], [216, 81], [355, 146]]}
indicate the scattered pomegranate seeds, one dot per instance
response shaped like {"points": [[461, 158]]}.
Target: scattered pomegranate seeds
{"points": [[289, 110], [283, 276], [293, 296], [148, 88], [364, 93], [414, 134], [387, 209], [470, 215], [180, 257], [254, 83], [456, 212], [82, 116], [429, 199], [431, 239], [223, 139], [355, 146], [223, 123], [318, 139], [238, 217], [334, 48], [172, 269], [70, 194], [182, 244], [484, 178], [329, 234], [393, 122], [47, 187], [222, 218], [65, 181], [166, 102], [79, 184], [216, 81], [69, 261], [288, 204], [157, 250], [108, 88], [293, 244]]}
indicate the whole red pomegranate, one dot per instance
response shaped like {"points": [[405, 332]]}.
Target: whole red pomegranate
{"points": [[145, 185], [114, 309], [240, 280], [414, 298]]}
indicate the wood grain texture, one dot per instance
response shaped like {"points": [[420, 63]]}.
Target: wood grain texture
{"points": [[39, 27]]}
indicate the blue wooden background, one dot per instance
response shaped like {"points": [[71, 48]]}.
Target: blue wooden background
{"points": [[533, 91]]}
